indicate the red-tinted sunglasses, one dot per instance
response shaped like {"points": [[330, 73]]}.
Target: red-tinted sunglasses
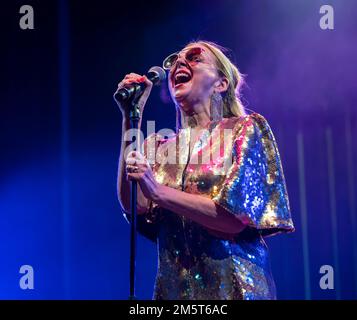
{"points": [[192, 56]]}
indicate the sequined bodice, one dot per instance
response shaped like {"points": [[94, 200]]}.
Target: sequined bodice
{"points": [[243, 174]]}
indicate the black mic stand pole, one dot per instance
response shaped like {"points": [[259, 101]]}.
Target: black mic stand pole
{"points": [[134, 116]]}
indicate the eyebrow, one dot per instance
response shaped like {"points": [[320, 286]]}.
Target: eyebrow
{"points": [[193, 47]]}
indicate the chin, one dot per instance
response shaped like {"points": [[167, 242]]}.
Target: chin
{"points": [[180, 97], [181, 93]]}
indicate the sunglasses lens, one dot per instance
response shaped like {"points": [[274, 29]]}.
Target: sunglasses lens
{"points": [[193, 53], [169, 61]]}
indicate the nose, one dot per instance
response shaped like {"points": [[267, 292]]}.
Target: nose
{"points": [[181, 61]]}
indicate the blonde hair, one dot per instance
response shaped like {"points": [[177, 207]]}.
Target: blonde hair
{"points": [[232, 104]]}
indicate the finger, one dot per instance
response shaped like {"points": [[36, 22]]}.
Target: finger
{"points": [[133, 176], [132, 74], [130, 161], [147, 82], [135, 77], [140, 161], [129, 177], [126, 82], [136, 161], [128, 76], [132, 154], [139, 158], [131, 166], [132, 169], [135, 154], [129, 80], [135, 157], [134, 80]]}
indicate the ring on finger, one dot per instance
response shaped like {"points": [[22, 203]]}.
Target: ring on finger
{"points": [[132, 168]]}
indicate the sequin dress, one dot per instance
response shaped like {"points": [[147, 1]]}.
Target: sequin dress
{"points": [[244, 176]]}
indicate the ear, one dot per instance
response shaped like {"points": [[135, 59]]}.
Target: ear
{"points": [[221, 85]]}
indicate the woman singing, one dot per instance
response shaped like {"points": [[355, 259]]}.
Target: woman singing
{"points": [[212, 191]]}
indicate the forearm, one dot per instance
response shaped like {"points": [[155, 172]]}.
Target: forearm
{"points": [[199, 209], [123, 184]]}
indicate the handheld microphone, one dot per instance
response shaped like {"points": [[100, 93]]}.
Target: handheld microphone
{"points": [[156, 75]]}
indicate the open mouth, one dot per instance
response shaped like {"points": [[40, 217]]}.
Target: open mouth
{"points": [[181, 77]]}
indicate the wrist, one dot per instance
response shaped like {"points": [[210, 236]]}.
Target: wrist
{"points": [[159, 194], [126, 119], [126, 123]]}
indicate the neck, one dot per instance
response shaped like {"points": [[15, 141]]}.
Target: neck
{"points": [[197, 116]]}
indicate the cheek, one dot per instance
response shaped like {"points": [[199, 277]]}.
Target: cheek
{"points": [[205, 80]]}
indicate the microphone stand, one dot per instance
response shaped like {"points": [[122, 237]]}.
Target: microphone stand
{"points": [[131, 96], [134, 116]]}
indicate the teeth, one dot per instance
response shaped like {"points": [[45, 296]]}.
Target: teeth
{"points": [[181, 74]]}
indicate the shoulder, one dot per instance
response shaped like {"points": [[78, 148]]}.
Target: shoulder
{"points": [[253, 123], [248, 119]]}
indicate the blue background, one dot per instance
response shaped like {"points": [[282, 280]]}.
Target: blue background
{"points": [[61, 131]]}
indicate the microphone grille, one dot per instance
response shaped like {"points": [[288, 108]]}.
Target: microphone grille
{"points": [[160, 73]]}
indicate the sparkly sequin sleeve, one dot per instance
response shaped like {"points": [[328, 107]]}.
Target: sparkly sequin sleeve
{"points": [[147, 222], [255, 188]]}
